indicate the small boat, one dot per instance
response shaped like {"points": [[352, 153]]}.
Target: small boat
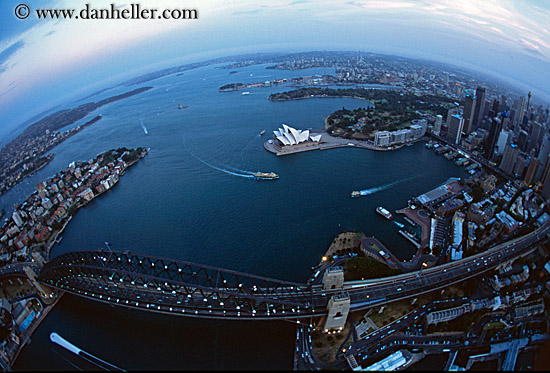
{"points": [[245, 93], [355, 193], [385, 213], [263, 131], [265, 176], [182, 106]]}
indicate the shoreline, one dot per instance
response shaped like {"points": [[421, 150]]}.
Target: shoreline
{"points": [[44, 250], [327, 142]]}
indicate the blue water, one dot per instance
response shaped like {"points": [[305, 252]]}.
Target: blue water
{"points": [[191, 198]]}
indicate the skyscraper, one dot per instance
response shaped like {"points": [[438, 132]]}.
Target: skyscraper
{"points": [[479, 107], [535, 135], [469, 108], [455, 129], [532, 169], [519, 111], [509, 158], [490, 142]]}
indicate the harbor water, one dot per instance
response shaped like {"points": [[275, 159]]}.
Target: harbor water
{"points": [[192, 198]]}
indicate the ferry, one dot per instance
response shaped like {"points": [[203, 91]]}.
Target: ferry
{"points": [[355, 193], [265, 176], [385, 213], [261, 133]]}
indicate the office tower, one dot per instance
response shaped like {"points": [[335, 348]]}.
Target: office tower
{"points": [[450, 113], [437, 125], [519, 111], [455, 129], [520, 165], [490, 142], [479, 107], [532, 169], [522, 140], [469, 107], [535, 135], [504, 138], [509, 158], [544, 151], [494, 110], [446, 79]]}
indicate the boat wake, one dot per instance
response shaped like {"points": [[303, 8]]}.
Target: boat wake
{"points": [[400, 225], [144, 128], [366, 192], [245, 174]]}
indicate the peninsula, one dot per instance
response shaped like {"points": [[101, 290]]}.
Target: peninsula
{"points": [[24, 155], [27, 237]]}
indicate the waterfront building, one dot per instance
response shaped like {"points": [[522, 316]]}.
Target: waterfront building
{"points": [[450, 113], [469, 108], [455, 129], [382, 138], [16, 216], [87, 194], [437, 125], [509, 159], [423, 123], [291, 136], [479, 106]]}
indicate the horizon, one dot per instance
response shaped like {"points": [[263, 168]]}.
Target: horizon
{"points": [[45, 64]]}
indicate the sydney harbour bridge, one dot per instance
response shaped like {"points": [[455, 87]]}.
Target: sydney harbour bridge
{"points": [[189, 289]]}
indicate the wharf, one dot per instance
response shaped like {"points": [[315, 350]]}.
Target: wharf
{"points": [[327, 142], [422, 218]]}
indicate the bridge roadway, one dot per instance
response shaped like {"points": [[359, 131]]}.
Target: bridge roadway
{"points": [[188, 289]]}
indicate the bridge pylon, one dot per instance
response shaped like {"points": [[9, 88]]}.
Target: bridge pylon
{"points": [[338, 309], [333, 278]]}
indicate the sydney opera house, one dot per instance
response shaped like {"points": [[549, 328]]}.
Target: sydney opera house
{"points": [[291, 136]]}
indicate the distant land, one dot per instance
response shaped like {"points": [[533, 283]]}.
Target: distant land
{"points": [[23, 155]]}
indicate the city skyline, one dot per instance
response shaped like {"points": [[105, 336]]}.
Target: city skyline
{"points": [[48, 63]]}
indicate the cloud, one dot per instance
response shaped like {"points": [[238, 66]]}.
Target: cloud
{"points": [[8, 52]]}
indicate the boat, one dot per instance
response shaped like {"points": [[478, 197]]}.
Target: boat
{"points": [[263, 131], [245, 93], [385, 213], [265, 176], [355, 193], [182, 106]]}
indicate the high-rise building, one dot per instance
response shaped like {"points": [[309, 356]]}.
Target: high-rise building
{"points": [[504, 138], [535, 135], [522, 140], [509, 159], [544, 151], [532, 169], [450, 113], [469, 108], [490, 142], [437, 125], [455, 129], [479, 107], [520, 165], [519, 111]]}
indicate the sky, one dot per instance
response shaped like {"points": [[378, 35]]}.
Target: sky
{"points": [[46, 63]]}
